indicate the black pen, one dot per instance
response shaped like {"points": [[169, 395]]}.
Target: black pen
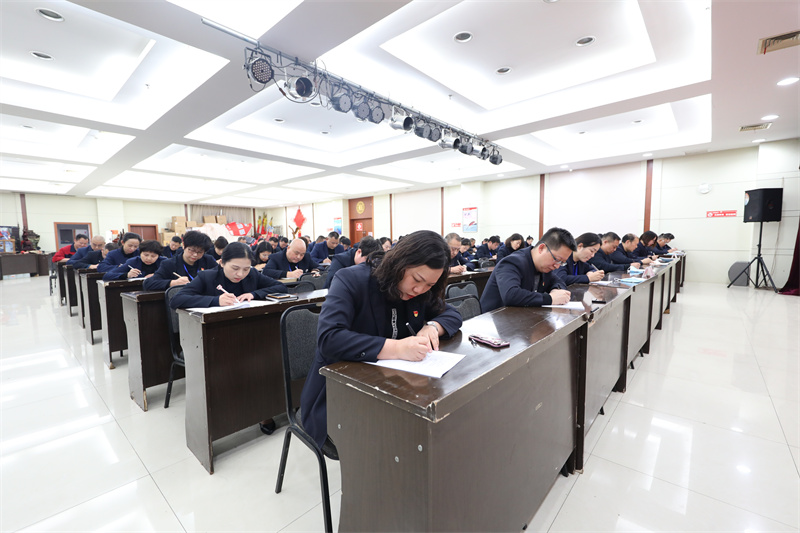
{"points": [[599, 301], [413, 333], [594, 268]]}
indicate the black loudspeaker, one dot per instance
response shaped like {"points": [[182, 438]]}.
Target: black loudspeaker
{"points": [[763, 205]]}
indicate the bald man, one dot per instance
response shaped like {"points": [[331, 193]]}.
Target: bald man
{"points": [[97, 243], [292, 262]]}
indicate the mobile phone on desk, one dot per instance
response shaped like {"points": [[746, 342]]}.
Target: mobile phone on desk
{"points": [[280, 296], [494, 342]]}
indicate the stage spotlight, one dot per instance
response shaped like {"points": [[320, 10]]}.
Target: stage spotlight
{"points": [[376, 115], [481, 152], [435, 134], [465, 148], [422, 130], [401, 122], [260, 70], [495, 158], [300, 87], [342, 103], [450, 142], [361, 111]]}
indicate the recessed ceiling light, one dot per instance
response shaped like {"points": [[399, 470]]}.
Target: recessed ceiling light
{"points": [[581, 133], [49, 14], [462, 37], [638, 121], [758, 140], [325, 132], [279, 120], [789, 81], [770, 117], [550, 1], [648, 154], [564, 166], [500, 175], [504, 70], [315, 104], [585, 41], [449, 182], [27, 126], [42, 56]]}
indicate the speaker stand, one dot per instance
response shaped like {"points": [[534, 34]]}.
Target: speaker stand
{"points": [[761, 268]]}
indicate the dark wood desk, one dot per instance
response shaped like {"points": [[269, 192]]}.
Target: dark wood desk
{"points": [[62, 283], [91, 302], [477, 450], [72, 288], [82, 308], [11, 264], [479, 276], [43, 262], [149, 353], [234, 371], [109, 294]]}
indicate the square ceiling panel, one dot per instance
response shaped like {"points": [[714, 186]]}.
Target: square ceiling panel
{"points": [[348, 184], [170, 183], [151, 195], [37, 138], [250, 17], [14, 167], [498, 35], [101, 69], [236, 201], [283, 195], [45, 187], [191, 161], [441, 167]]}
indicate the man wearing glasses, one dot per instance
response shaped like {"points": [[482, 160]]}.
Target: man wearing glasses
{"points": [[183, 267], [458, 263], [525, 278]]}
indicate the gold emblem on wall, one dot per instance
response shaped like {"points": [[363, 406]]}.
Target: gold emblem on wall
{"points": [[360, 208]]}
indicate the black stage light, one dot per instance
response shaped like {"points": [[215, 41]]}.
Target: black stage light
{"points": [[300, 87], [422, 130], [481, 152], [361, 111], [465, 148], [401, 122], [260, 70], [435, 134], [376, 114], [450, 142], [342, 103], [495, 158]]}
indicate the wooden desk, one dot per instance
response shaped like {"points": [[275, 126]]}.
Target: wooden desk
{"points": [[82, 308], [11, 264], [149, 353], [72, 288], [43, 262], [234, 371], [479, 276], [477, 450], [91, 300], [110, 296], [62, 283]]}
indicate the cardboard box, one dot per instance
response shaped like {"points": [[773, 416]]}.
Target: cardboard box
{"points": [[209, 219], [177, 227], [166, 236], [192, 224], [221, 219], [179, 219]]}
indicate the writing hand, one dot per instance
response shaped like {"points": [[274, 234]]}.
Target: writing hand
{"points": [[559, 296], [227, 299], [431, 333], [246, 297]]}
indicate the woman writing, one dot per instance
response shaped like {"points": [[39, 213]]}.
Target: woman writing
{"points": [[234, 281], [262, 253], [511, 245], [389, 307], [577, 269], [129, 248]]}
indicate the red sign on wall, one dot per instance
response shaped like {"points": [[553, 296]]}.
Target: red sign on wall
{"points": [[717, 214], [359, 226]]}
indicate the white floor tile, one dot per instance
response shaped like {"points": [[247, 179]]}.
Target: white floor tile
{"points": [[158, 435], [314, 522]]}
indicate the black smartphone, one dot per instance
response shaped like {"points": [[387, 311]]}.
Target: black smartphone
{"points": [[281, 296]]}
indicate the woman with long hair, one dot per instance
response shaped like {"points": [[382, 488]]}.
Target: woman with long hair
{"points": [[577, 268], [511, 245]]}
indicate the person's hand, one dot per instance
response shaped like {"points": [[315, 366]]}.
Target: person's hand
{"points": [[246, 297], [327, 261], [260, 266], [460, 269], [646, 261], [134, 273], [596, 275], [559, 296], [294, 273], [227, 299], [93, 267], [431, 333], [183, 280], [636, 265], [413, 348], [147, 276]]}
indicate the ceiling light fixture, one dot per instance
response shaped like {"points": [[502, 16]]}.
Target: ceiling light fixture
{"points": [[260, 70], [462, 37], [466, 147], [361, 111], [788, 81], [770, 117], [585, 41], [278, 120], [41, 55], [450, 142], [401, 122], [300, 87], [639, 121], [481, 152], [435, 134], [496, 158], [49, 14], [648, 154], [503, 70], [342, 103], [758, 140], [376, 114], [422, 130]]}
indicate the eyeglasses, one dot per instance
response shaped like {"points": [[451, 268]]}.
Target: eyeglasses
{"points": [[558, 263]]}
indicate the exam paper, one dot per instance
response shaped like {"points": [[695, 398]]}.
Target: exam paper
{"points": [[578, 306], [601, 282], [217, 309], [435, 364]]}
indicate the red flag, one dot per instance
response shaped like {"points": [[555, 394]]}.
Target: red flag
{"points": [[238, 229]]}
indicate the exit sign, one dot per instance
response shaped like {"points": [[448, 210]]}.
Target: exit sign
{"points": [[718, 214]]}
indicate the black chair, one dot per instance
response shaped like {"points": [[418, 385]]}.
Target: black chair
{"points": [[486, 263], [298, 343], [468, 306], [302, 286], [461, 289], [53, 277], [174, 339], [317, 281]]}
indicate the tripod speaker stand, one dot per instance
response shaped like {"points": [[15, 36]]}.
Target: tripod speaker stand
{"points": [[761, 268]]}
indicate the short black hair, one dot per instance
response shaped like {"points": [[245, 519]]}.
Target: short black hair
{"points": [[284, 239], [236, 250], [176, 239], [345, 241], [629, 237], [466, 242], [588, 239], [273, 239], [111, 246], [555, 238], [195, 239], [610, 236], [80, 236], [221, 242], [368, 245], [151, 246], [494, 239], [333, 235], [670, 236], [130, 235]]}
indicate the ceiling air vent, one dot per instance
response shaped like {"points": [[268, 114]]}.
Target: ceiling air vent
{"points": [[786, 40], [756, 127]]}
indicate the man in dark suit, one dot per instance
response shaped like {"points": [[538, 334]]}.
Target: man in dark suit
{"points": [[602, 259], [97, 243], [352, 257], [183, 267], [323, 253], [625, 254], [525, 278], [292, 262], [489, 249], [173, 248], [458, 263]]}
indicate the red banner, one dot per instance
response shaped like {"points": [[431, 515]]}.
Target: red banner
{"points": [[238, 229], [717, 214]]}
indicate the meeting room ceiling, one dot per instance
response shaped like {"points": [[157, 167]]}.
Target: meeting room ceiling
{"points": [[140, 100]]}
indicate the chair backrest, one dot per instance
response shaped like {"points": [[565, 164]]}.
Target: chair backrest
{"points": [[468, 306], [486, 263], [172, 322], [317, 281], [302, 286], [461, 289], [298, 344]]}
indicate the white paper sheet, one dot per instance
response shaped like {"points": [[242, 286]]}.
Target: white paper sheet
{"points": [[601, 282], [578, 306], [435, 364], [251, 303]]}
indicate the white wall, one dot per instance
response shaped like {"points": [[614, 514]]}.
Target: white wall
{"points": [[160, 213], [381, 224], [10, 213], [324, 213], [44, 210], [509, 206], [412, 211]]}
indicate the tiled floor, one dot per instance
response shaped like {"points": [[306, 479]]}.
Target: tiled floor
{"points": [[706, 438]]}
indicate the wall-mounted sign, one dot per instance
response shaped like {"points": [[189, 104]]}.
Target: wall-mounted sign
{"points": [[470, 220], [718, 214], [359, 226]]}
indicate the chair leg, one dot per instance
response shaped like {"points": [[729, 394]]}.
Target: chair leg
{"points": [[326, 497], [169, 384], [284, 455]]}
